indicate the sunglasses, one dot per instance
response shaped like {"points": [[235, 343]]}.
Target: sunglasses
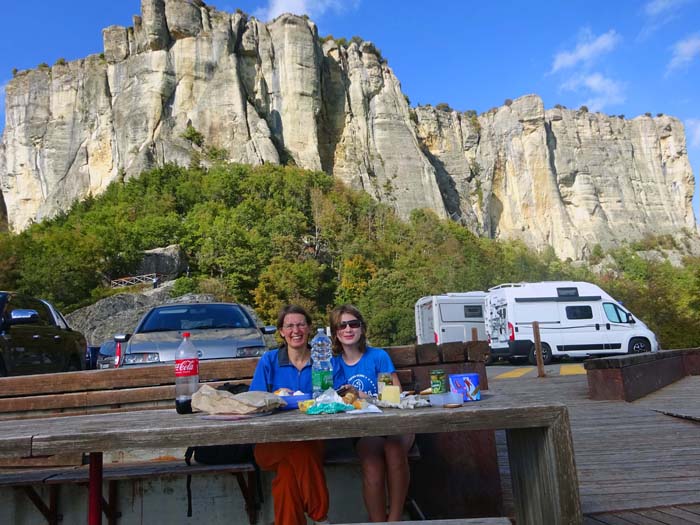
{"points": [[355, 323]]}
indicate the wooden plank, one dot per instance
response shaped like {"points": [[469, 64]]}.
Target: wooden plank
{"points": [[402, 356], [427, 354], [477, 351], [608, 519], [58, 460], [638, 518], [455, 352], [671, 515], [145, 470], [81, 402], [138, 430], [133, 376]]}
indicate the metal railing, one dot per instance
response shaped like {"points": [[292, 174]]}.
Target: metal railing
{"points": [[149, 278]]}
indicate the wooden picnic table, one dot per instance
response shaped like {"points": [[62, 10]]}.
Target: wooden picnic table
{"points": [[540, 449]]}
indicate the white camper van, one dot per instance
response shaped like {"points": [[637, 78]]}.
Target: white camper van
{"points": [[575, 318], [451, 317]]}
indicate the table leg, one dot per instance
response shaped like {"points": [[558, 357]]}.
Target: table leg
{"points": [[543, 469], [95, 489]]}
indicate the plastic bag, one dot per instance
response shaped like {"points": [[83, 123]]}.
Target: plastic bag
{"points": [[329, 402]]}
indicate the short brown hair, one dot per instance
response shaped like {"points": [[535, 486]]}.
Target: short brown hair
{"points": [[292, 309], [334, 321]]}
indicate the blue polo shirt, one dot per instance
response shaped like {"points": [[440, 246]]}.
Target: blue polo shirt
{"points": [[275, 370]]}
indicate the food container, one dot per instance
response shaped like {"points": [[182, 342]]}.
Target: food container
{"points": [[446, 398], [467, 385], [293, 401]]}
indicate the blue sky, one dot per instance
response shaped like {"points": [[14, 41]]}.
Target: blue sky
{"points": [[619, 57]]}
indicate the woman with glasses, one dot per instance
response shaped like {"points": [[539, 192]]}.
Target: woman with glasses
{"points": [[384, 459], [299, 487]]}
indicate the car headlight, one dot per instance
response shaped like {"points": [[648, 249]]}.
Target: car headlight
{"points": [[251, 351], [142, 358]]}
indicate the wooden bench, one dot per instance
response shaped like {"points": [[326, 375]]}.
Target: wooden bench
{"points": [[245, 474], [630, 377], [114, 390], [152, 387]]}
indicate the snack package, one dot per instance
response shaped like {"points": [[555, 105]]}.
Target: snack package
{"points": [[329, 402]]}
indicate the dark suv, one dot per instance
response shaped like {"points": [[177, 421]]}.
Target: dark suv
{"points": [[35, 338]]}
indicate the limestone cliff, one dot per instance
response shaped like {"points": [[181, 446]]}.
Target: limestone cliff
{"points": [[276, 93]]}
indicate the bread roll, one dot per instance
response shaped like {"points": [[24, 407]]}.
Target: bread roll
{"points": [[349, 398]]}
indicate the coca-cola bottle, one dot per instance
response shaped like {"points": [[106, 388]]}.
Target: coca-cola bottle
{"points": [[186, 375]]}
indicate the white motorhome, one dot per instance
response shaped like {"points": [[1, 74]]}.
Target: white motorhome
{"points": [[450, 317], [575, 319]]}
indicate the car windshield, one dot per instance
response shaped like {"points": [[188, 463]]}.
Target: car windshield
{"points": [[108, 348], [195, 317]]}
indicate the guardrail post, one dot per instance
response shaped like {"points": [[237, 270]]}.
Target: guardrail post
{"points": [[538, 349]]}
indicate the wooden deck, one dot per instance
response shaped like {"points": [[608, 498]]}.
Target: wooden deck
{"points": [[636, 464]]}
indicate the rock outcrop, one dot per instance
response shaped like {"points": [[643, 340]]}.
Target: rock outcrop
{"points": [[276, 93]]}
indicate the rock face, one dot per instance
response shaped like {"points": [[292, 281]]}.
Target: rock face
{"points": [[168, 262], [276, 93]]}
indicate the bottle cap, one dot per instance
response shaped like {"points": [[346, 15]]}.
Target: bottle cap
{"points": [[185, 334]]}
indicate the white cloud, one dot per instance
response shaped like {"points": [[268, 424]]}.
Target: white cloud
{"points": [[692, 128], [656, 8], [587, 50], [658, 13], [313, 8], [684, 52], [601, 91]]}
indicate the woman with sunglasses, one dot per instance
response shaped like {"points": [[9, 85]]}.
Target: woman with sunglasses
{"points": [[384, 459], [299, 487]]}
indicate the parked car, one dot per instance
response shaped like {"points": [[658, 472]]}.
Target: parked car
{"points": [[98, 357], [35, 338], [218, 331]]}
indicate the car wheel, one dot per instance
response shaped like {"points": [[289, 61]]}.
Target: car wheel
{"points": [[546, 355], [638, 345]]}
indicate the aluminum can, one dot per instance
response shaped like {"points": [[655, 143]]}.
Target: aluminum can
{"points": [[438, 381]]}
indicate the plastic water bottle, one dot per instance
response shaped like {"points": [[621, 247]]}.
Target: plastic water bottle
{"points": [[186, 375], [321, 367]]}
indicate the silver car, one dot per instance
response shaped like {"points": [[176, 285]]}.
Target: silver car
{"points": [[218, 331]]}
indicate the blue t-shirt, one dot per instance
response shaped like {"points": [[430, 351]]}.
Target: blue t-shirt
{"points": [[363, 374], [275, 370]]}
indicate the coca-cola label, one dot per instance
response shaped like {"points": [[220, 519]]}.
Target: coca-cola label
{"points": [[186, 367]]}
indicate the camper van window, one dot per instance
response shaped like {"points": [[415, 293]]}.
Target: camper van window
{"points": [[567, 292], [471, 310], [579, 312], [614, 313]]}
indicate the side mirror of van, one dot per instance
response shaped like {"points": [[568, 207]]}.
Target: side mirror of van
{"points": [[630, 319]]}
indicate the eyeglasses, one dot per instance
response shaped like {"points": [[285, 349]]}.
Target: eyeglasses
{"points": [[292, 326], [355, 323]]}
